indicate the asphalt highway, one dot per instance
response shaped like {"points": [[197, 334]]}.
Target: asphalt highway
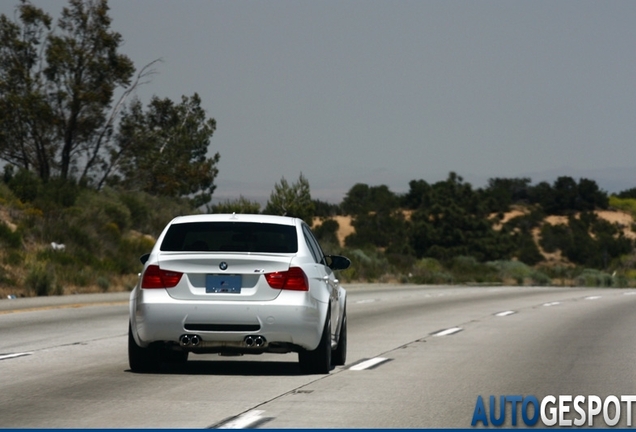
{"points": [[418, 357]]}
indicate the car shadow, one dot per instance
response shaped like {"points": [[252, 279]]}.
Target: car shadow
{"points": [[229, 367]]}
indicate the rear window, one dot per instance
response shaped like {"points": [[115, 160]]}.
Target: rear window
{"points": [[230, 237]]}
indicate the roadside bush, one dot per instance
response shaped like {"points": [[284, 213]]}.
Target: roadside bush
{"points": [[430, 271], [516, 270], [40, 280], [620, 281], [467, 269], [539, 278], [103, 283], [366, 265], [594, 278]]}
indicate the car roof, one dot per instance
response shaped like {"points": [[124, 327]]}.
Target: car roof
{"points": [[258, 218]]}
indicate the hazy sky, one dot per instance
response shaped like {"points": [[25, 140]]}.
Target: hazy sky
{"points": [[384, 92]]}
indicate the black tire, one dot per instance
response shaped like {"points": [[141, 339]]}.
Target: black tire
{"points": [[175, 357], [318, 361], [141, 359], [339, 355]]}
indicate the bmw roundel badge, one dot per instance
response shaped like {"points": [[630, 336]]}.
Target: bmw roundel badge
{"points": [[223, 265]]}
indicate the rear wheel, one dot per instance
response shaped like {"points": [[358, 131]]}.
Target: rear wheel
{"points": [[174, 357], [318, 361], [339, 355], [141, 359]]}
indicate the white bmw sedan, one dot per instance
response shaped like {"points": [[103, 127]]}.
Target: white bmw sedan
{"points": [[238, 284]]}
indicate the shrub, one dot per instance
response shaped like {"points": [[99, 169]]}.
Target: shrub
{"points": [[539, 278], [468, 269], [516, 270], [25, 185], [594, 278], [430, 271], [366, 265], [40, 280], [103, 283], [9, 237]]}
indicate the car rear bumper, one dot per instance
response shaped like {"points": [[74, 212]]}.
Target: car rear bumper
{"points": [[293, 319]]}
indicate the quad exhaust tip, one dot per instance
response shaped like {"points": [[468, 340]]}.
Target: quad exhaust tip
{"points": [[187, 340]]}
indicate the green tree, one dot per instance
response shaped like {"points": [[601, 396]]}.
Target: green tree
{"points": [[377, 218], [628, 193], [327, 232], [57, 88], [566, 196], [591, 196], [26, 118], [419, 194], [239, 205], [362, 199], [586, 240], [325, 209], [291, 200], [163, 150], [455, 223], [501, 193]]}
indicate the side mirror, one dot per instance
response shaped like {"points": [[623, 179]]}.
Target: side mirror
{"points": [[337, 262], [144, 258]]}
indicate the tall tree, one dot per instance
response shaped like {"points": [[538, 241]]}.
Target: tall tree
{"points": [[164, 150], [291, 200], [501, 193], [26, 119], [57, 88], [83, 71], [362, 199]]}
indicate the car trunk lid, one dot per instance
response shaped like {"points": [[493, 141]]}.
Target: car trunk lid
{"points": [[224, 276]]}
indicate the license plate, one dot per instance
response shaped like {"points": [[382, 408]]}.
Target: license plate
{"points": [[223, 284]]}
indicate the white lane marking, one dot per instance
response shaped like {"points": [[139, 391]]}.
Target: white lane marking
{"points": [[369, 363], [449, 331], [243, 421], [505, 313], [592, 298], [8, 356], [366, 301], [630, 293], [551, 304]]}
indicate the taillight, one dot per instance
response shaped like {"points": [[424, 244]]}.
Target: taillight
{"points": [[292, 279], [154, 277]]}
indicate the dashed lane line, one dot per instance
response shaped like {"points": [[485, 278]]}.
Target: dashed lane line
{"points": [[505, 313], [368, 364], [448, 332], [243, 421], [551, 304], [14, 355]]}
